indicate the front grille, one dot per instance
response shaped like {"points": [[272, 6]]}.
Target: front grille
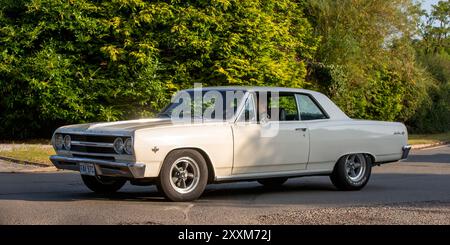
{"points": [[95, 157], [92, 149], [93, 138], [100, 144]]}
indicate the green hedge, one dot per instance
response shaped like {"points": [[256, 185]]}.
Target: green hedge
{"points": [[79, 61], [64, 62]]}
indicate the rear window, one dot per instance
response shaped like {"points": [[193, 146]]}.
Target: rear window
{"points": [[309, 110]]}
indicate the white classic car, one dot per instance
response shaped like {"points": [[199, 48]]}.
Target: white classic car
{"points": [[265, 134]]}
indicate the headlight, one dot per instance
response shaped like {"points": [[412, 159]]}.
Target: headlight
{"points": [[118, 145], [67, 142], [129, 146], [59, 141]]}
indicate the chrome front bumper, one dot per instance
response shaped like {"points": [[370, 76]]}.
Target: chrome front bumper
{"points": [[102, 167], [405, 151]]}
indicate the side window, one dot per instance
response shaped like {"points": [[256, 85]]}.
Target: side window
{"points": [[285, 106], [249, 113], [308, 109]]}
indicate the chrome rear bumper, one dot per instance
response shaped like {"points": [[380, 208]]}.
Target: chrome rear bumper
{"points": [[405, 151], [102, 167]]}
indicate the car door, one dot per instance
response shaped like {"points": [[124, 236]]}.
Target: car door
{"points": [[275, 143], [323, 139]]}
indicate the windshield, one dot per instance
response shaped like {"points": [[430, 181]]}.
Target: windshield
{"points": [[204, 104]]}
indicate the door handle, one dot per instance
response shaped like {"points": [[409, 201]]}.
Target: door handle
{"points": [[301, 129]]}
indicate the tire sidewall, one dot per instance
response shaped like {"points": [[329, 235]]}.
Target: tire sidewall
{"points": [[346, 179], [341, 180], [165, 175]]}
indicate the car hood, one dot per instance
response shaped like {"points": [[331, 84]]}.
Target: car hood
{"points": [[116, 128]]}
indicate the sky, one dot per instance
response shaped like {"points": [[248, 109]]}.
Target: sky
{"points": [[426, 4]]}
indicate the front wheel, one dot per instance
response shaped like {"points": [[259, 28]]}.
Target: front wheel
{"points": [[103, 184], [183, 176], [352, 172]]}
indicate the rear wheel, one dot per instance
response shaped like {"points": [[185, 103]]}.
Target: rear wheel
{"points": [[272, 182], [183, 176], [352, 172], [103, 184]]}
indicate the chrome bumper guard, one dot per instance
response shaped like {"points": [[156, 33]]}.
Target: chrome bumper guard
{"points": [[102, 167], [405, 150]]}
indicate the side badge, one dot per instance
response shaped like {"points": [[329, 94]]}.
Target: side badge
{"points": [[155, 149], [399, 133]]}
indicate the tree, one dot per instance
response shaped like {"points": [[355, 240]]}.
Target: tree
{"points": [[433, 52], [65, 62], [434, 30], [365, 61]]}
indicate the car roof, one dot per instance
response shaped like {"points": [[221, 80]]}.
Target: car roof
{"points": [[255, 89]]}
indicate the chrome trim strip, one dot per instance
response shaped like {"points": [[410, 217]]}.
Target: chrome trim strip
{"points": [[390, 154], [88, 160], [137, 170], [72, 152], [96, 133], [256, 176], [94, 144]]}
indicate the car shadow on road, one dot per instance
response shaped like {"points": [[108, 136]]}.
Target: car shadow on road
{"points": [[76, 191], [215, 193], [308, 190]]}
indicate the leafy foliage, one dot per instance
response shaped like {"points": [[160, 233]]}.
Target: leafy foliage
{"points": [[367, 60], [433, 52], [434, 114], [78, 61], [65, 62]]}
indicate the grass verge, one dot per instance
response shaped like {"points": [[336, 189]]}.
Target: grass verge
{"points": [[417, 139], [28, 152]]}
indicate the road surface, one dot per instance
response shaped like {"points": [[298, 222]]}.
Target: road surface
{"points": [[416, 191]]}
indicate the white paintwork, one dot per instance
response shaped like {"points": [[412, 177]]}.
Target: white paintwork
{"points": [[286, 151], [236, 150], [215, 139]]}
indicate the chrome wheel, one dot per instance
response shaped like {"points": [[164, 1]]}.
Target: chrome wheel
{"points": [[355, 167], [184, 175]]}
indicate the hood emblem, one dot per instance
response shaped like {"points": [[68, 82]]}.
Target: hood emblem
{"points": [[155, 149]]}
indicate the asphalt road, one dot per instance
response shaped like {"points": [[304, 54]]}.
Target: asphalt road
{"points": [[416, 191]]}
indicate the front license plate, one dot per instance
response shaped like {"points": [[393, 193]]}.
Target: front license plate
{"points": [[87, 169]]}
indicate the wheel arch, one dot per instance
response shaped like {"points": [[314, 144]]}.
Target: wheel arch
{"points": [[366, 154], [211, 171]]}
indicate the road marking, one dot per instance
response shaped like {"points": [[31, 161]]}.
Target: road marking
{"points": [[185, 210]]}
